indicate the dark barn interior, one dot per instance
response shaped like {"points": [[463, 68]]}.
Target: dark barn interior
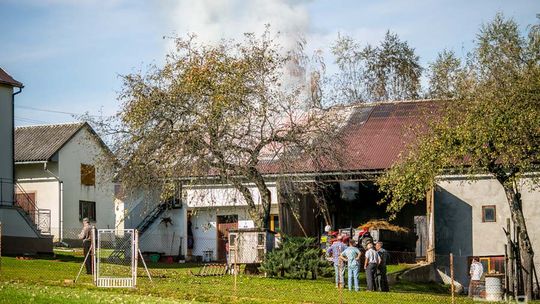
{"points": [[351, 204]]}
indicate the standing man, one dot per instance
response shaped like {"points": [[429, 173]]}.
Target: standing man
{"points": [[370, 265], [476, 275], [86, 236], [335, 251], [352, 256], [384, 256]]}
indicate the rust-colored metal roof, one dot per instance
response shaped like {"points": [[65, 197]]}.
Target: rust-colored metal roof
{"points": [[372, 138], [40, 143], [5, 78], [376, 141]]}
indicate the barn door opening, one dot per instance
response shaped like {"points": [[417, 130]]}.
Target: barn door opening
{"points": [[224, 224]]}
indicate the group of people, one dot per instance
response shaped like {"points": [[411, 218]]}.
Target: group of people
{"points": [[349, 257]]}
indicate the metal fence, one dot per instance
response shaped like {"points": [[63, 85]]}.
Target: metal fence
{"points": [[116, 255]]}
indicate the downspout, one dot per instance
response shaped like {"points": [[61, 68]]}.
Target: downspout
{"points": [[13, 141], [60, 202]]}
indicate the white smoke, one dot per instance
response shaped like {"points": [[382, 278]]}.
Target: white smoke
{"points": [[213, 20]]}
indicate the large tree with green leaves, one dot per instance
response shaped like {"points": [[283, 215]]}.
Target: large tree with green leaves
{"points": [[492, 126], [220, 110]]}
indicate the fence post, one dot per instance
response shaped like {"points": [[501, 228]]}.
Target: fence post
{"points": [[0, 246], [452, 286], [235, 262]]}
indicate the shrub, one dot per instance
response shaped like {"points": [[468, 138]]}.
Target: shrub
{"points": [[297, 257]]}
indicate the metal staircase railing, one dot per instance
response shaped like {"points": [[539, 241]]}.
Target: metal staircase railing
{"points": [[41, 218], [151, 217]]}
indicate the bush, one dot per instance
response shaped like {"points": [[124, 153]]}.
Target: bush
{"points": [[296, 258]]}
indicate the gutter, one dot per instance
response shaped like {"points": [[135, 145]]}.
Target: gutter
{"points": [[30, 162], [13, 136], [60, 202]]}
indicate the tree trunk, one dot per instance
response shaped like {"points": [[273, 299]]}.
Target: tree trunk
{"points": [[266, 197], [525, 247]]}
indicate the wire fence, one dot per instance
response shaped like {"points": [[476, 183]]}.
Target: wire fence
{"points": [[447, 280]]}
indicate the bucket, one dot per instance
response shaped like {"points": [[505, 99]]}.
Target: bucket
{"points": [[154, 257], [494, 291], [168, 259]]}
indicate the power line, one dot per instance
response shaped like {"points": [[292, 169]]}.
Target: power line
{"points": [[45, 110], [58, 112], [29, 120]]}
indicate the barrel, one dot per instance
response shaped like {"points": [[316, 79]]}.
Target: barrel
{"points": [[494, 290]]}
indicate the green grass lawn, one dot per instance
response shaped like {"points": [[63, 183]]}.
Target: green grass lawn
{"points": [[42, 281]]}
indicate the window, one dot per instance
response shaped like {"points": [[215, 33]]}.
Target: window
{"points": [[491, 264], [489, 214], [88, 175], [87, 209], [274, 223]]}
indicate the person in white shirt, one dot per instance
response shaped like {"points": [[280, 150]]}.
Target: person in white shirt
{"points": [[370, 265], [476, 272]]}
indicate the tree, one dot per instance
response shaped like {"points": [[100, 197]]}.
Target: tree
{"points": [[219, 110], [492, 127], [389, 71], [443, 76]]}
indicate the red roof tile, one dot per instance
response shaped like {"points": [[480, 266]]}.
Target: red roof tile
{"points": [[6, 79]]}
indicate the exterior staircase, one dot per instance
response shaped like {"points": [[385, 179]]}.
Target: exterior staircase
{"points": [[39, 219], [151, 217], [25, 228]]}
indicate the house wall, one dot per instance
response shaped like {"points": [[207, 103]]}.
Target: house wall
{"points": [[206, 202], [167, 239], [47, 196], [14, 224], [458, 220], [84, 148], [6, 138], [204, 227]]}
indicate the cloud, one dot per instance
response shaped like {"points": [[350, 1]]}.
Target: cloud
{"points": [[213, 20]]}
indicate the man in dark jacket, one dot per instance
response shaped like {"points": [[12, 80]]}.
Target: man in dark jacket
{"points": [[382, 279], [86, 236]]}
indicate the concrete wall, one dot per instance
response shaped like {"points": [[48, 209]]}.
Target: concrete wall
{"points": [[206, 202], [6, 150], [47, 196], [84, 148], [458, 220], [168, 239], [222, 195], [14, 224], [204, 226]]}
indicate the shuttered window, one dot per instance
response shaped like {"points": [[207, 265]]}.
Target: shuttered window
{"points": [[88, 175]]}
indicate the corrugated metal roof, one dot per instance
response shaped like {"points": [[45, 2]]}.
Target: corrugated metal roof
{"points": [[40, 143], [373, 137], [6, 79]]}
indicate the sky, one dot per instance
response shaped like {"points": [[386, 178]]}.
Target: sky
{"points": [[70, 53]]}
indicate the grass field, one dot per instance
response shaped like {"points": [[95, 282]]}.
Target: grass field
{"points": [[42, 281]]}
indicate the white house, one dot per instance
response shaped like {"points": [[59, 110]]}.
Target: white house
{"points": [[469, 217], [67, 169], [20, 233]]}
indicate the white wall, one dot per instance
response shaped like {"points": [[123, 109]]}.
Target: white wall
{"points": [[222, 195], [84, 148], [208, 201], [461, 228], [204, 226], [47, 197], [166, 239]]}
